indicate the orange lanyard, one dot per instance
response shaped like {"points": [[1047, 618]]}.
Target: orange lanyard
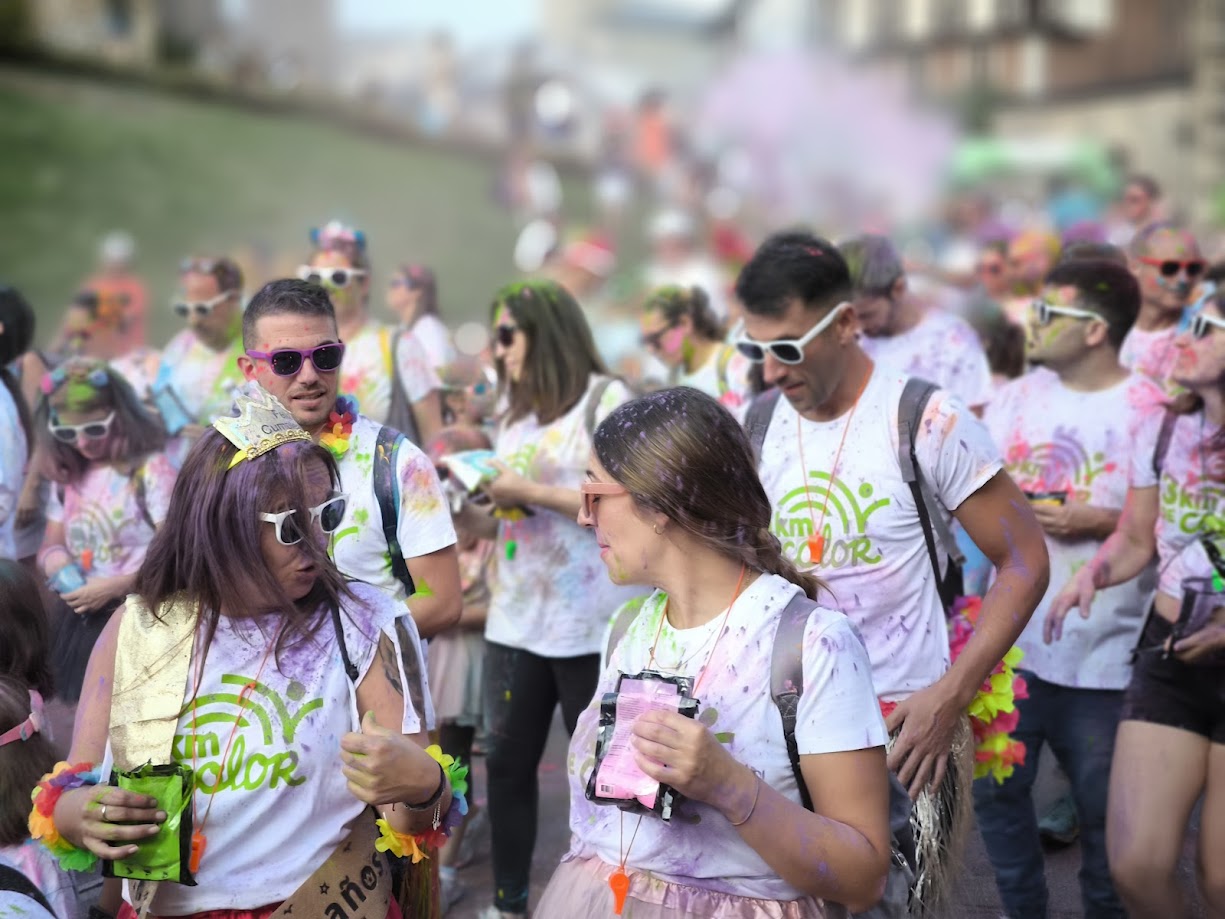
{"points": [[816, 542], [619, 880], [199, 842]]}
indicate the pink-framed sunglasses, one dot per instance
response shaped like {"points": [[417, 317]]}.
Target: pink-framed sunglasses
{"points": [[593, 490]]}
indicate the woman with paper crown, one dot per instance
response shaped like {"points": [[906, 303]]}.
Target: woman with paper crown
{"points": [[248, 706]]}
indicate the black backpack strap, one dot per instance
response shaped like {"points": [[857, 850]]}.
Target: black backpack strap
{"points": [[1164, 436], [592, 405], [757, 419], [787, 678], [721, 381], [387, 494], [915, 396], [350, 667], [140, 490], [14, 880]]}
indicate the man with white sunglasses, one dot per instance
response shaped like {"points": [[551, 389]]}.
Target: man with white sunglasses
{"points": [[1067, 429], [386, 370], [198, 373], [830, 458]]}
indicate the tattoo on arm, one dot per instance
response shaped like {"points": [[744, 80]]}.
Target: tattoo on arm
{"points": [[391, 667]]}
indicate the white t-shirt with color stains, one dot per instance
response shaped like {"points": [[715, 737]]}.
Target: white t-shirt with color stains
{"points": [[1152, 354], [270, 769], [107, 528], [942, 349], [838, 711], [550, 591], [875, 559], [203, 379], [365, 373], [724, 376], [358, 545], [1191, 492], [1056, 439]]}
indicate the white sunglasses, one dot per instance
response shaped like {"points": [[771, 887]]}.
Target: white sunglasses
{"points": [[787, 350], [202, 308], [72, 433], [1044, 312], [1201, 324], [329, 514], [331, 277]]}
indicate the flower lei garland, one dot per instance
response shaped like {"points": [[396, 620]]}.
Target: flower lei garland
{"points": [[403, 845], [340, 427], [64, 777], [993, 712]]}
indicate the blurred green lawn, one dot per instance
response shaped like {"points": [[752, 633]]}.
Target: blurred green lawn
{"points": [[78, 159]]}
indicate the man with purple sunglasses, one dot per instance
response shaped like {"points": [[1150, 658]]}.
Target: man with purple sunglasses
{"points": [[292, 347]]}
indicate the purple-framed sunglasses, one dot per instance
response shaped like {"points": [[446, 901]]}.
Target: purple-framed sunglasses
{"points": [[285, 362]]}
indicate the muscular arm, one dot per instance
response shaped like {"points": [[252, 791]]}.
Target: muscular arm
{"points": [[1000, 521], [438, 601]]}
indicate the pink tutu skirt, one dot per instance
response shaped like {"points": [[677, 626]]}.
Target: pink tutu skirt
{"points": [[579, 887]]}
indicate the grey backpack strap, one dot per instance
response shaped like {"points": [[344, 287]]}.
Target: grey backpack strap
{"points": [[915, 396], [757, 419], [1164, 436], [787, 678], [593, 404], [622, 619]]}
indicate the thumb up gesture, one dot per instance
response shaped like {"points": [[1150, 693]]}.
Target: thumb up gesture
{"points": [[383, 766]]}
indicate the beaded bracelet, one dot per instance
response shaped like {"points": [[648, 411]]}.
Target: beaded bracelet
{"points": [[415, 845], [64, 777]]}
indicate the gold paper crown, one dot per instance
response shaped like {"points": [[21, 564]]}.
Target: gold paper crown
{"points": [[262, 424]]}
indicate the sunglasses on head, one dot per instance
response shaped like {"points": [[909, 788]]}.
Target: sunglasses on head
{"points": [[1170, 267], [787, 350], [1044, 312], [289, 532], [329, 277], [593, 491], [91, 430], [504, 335], [285, 362], [201, 308], [197, 265]]}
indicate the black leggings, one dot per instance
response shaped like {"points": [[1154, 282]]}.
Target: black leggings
{"points": [[521, 692]]}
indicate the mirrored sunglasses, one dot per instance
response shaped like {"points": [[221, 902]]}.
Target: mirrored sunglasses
{"points": [[73, 433], [285, 362], [329, 277], [289, 532]]}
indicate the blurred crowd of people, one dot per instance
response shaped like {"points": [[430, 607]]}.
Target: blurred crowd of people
{"points": [[621, 492]]}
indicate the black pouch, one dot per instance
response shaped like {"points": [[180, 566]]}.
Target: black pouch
{"points": [[166, 856], [621, 783], [1201, 598]]}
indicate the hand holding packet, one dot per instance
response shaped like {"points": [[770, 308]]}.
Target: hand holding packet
{"points": [[67, 579], [617, 778], [166, 856]]}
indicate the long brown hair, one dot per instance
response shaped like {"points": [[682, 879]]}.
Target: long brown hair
{"points": [[561, 354], [682, 454], [1189, 403], [211, 554]]}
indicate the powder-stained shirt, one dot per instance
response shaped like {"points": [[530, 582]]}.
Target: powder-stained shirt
{"points": [[724, 376], [366, 371], [201, 379], [1152, 354], [1191, 491], [1056, 439], [838, 711], [359, 547], [107, 525], [943, 349], [13, 456], [550, 591], [875, 559], [270, 770]]}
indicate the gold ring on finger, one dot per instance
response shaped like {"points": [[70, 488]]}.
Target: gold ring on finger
{"points": [[104, 820]]}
